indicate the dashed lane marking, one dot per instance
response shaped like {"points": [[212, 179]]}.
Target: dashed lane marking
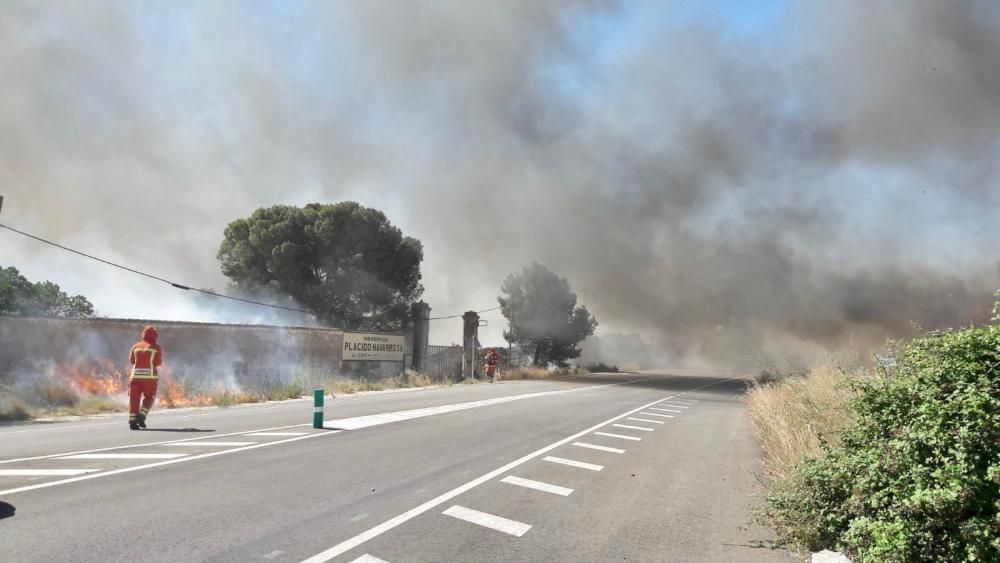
{"points": [[620, 436], [654, 414], [573, 463], [210, 444], [44, 472], [124, 456], [486, 520], [395, 521], [668, 410], [647, 420], [599, 448], [677, 406], [626, 426], [537, 485]]}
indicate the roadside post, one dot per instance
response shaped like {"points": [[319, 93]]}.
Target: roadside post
{"points": [[317, 408]]}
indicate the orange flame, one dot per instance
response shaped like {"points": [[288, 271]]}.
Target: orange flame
{"points": [[94, 377], [100, 377]]}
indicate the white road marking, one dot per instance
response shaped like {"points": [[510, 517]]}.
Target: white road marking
{"points": [[491, 521], [161, 463], [395, 521], [131, 446], [622, 436], [124, 456], [278, 433], [668, 410], [366, 558], [643, 428], [359, 422], [210, 444], [646, 420], [676, 407], [537, 485], [685, 401], [654, 414], [600, 448], [44, 472], [573, 463]]}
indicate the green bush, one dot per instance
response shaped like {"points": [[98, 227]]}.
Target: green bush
{"points": [[601, 367], [917, 477]]}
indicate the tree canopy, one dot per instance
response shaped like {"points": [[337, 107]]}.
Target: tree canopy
{"points": [[346, 263], [20, 297], [543, 314]]}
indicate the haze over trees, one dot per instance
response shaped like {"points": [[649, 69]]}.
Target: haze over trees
{"points": [[20, 297], [344, 262], [544, 317]]}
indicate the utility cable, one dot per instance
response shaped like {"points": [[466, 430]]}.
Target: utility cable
{"points": [[456, 316], [151, 276]]}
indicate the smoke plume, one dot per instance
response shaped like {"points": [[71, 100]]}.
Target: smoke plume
{"points": [[716, 181]]}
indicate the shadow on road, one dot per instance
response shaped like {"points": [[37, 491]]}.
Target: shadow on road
{"points": [[6, 510], [177, 430]]}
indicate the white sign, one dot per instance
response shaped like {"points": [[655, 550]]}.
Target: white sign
{"points": [[373, 347]]}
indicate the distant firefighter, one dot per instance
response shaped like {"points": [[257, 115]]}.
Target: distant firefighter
{"points": [[492, 361], [146, 356]]}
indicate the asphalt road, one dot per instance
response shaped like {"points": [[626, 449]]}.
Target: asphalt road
{"points": [[626, 467]]}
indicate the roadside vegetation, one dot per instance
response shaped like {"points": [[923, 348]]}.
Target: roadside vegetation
{"points": [[898, 465], [601, 367]]}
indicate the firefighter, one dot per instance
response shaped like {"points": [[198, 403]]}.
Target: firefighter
{"points": [[492, 360], [145, 358]]}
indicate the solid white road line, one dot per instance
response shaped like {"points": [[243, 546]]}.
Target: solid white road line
{"points": [[643, 428], [391, 523], [124, 456], [44, 472], [647, 420], [359, 422], [573, 463], [668, 410], [600, 448], [654, 414], [277, 434], [211, 444], [537, 485], [132, 446], [369, 559], [161, 463], [491, 521], [622, 436]]}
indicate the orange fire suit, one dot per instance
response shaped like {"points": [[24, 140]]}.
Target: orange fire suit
{"points": [[145, 357]]}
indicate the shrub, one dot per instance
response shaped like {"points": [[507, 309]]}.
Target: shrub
{"points": [[601, 367], [917, 476]]}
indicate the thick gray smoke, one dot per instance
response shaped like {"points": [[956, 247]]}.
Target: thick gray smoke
{"points": [[824, 179]]}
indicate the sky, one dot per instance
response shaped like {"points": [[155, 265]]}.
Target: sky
{"points": [[721, 177]]}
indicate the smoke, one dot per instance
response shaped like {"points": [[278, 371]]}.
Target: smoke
{"points": [[822, 178]]}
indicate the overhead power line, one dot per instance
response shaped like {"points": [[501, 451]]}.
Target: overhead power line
{"points": [[151, 276], [457, 316]]}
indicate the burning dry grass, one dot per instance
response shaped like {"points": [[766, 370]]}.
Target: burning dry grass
{"points": [[793, 415]]}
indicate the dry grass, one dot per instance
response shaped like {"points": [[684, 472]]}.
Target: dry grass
{"points": [[407, 380], [539, 373], [12, 408], [793, 415]]}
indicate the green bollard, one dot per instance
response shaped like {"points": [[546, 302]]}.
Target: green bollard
{"points": [[317, 408]]}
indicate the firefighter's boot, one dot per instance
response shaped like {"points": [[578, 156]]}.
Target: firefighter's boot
{"points": [[141, 419], [133, 425]]}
